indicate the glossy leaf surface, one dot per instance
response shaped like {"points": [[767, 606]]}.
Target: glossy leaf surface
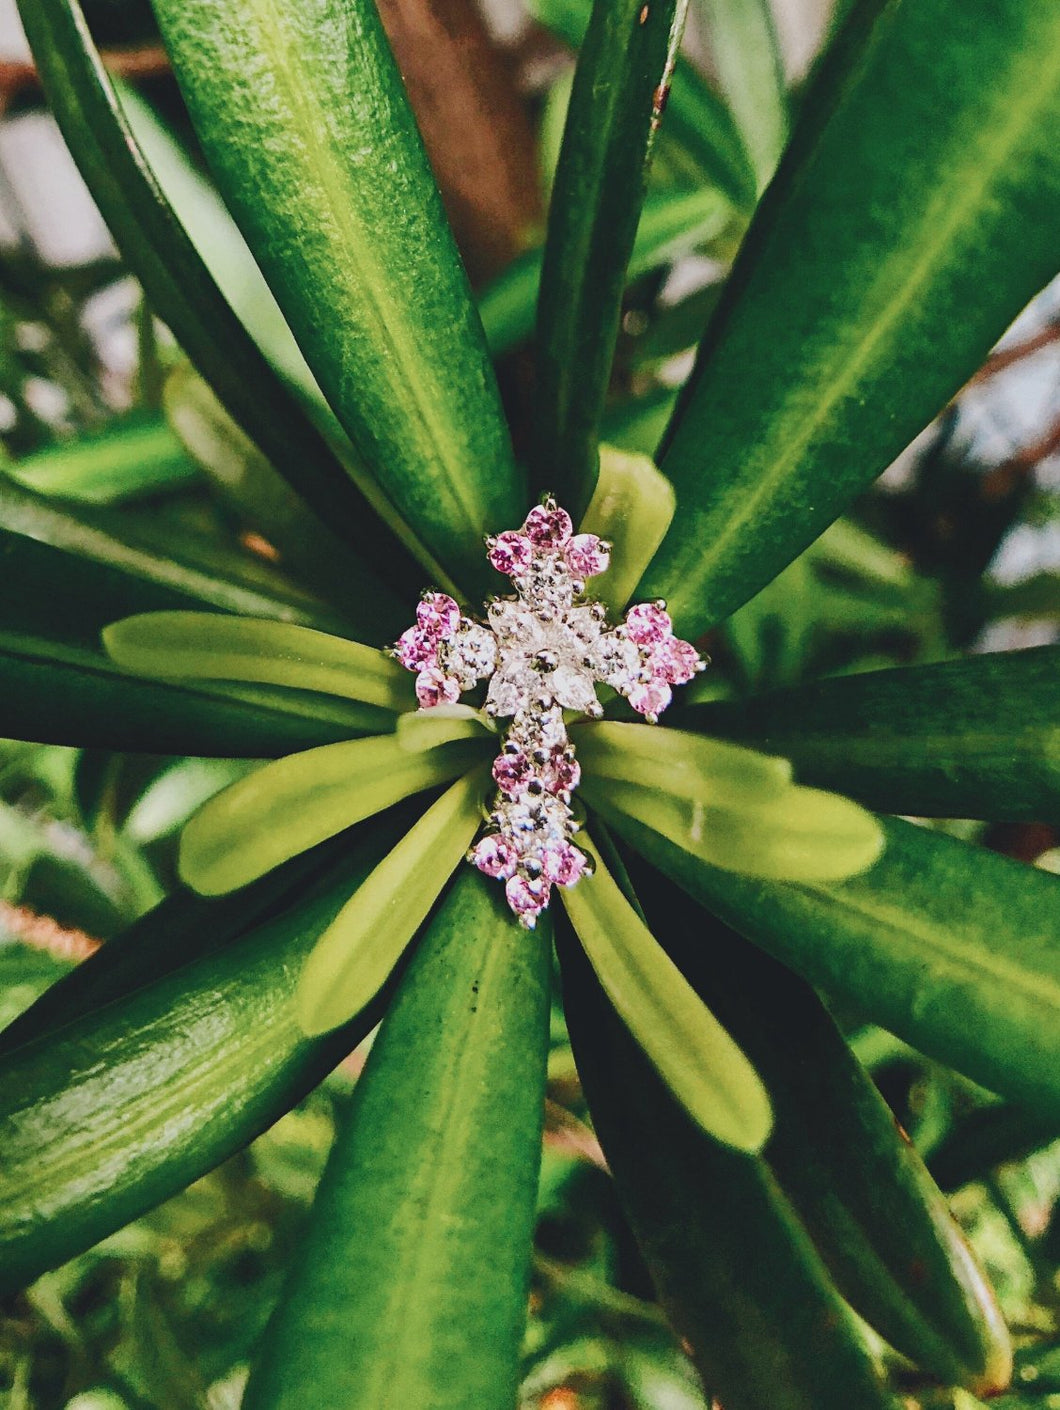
{"points": [[685, 1043], [290, 805], [734, 1269], [855, 1180], [620, 85], [430, 1188], [302, 113], [974, 738], [909, 223], [208, 646], [127, 1106], [351, 960], [950, 947]]}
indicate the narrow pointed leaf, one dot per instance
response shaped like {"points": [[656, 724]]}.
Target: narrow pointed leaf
{"points": [[978, 738], [133, 458], [352, 959], [734, 1269], [859, 1186], [208, 646], [288, 806], [124, 1107], [672, 223], [741, 36], [879, 271], [620, 84], [302, 114], [950, 947], [428, 1199], [632, 506], [177, 282], [685, 1043], [426, 729], [697, 118]]}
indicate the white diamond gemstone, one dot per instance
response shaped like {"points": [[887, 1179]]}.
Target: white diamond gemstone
{"points": [[543, 651]]}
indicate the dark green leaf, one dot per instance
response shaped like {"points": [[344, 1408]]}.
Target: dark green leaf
{"points": [[911, 220], [427, 1205], [696, 117], [616, 102], [126, 1106], [672, 224], [854, 1179], [952, 948], [177, 282], [978, 738], [736, 1272], [303, 116]]}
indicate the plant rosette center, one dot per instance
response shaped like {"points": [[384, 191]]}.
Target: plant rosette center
{"points": [[542, 651]]}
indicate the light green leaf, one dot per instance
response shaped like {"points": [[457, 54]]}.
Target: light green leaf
{"points": [[136, 457], [741, 37], [792, 833], [425, 729], [711, 772], [428, 1198], [696, 1058], [352, 959], [288, 806], [911, 220], [632, 506], [209, 646], [302, 113]]}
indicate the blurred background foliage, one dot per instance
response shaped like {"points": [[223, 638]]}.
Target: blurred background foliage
{"points": [[957, 548]]}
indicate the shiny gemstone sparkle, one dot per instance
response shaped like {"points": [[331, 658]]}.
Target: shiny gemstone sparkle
{"points": [[543, 650]]}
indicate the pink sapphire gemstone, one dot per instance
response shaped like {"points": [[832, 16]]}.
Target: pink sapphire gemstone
{"points": [[563, 864], [548, 527], [416, 650], [586, 557], [495, 856], [510, 552], [675, 661], [511, 772], [650, 700], [438, 615], [562, 773], [648, 624], [433, 688], [527, 898]]}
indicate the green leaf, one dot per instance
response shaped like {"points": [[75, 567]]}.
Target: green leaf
{"points": [[288, 806], [877, 1218], [685, 1043], [735, 809], [126, 1106], [352, 959], [428, 1199], [736, 1272], [978, 738], [302, 114], [952, 948], [672, 223], [741, 37], [177, 282], [208, 646], [620, 85], [632, 506], [696, 117], [426, 729], [883, 264], [681, 765], [138, 456]]}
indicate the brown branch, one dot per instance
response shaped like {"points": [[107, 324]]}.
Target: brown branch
{"points": [[43, 933]]}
